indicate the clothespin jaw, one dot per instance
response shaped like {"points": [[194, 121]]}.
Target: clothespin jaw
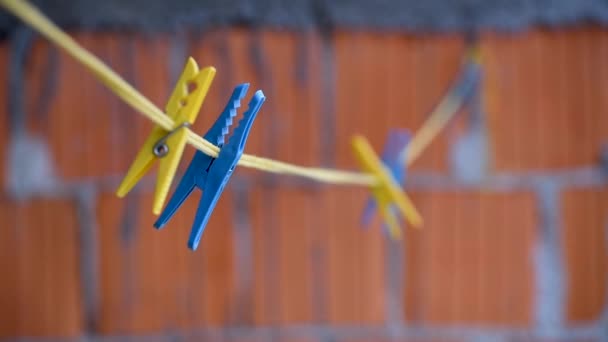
{"points": [[222, 169], [168, 146], [212, 174], [396, 142], [387, 190], [197, 171]]}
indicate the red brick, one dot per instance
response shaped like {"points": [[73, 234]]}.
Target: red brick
{"points": [[386, 81], [472, 261], [286, 127], [292, 84], [227, 51], [544, 99], [91, 132], [469, 280], [40, 293], [150, 281], [282, 228], [586, 254], [312, 261], [355, 260]]}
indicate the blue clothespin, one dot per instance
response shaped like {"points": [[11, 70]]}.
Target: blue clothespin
{"points": [[469, 80], [212, 174], [396, 142]]}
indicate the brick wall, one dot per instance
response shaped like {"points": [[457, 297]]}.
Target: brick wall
{"points": [[514, 247]]}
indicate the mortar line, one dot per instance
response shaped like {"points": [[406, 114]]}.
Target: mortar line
{"points": [[549, 269], [48, 88], [327, 90], [422, 180], [319, 265], [243, 253], [20, 47], [394, 283], [85, 198], [342, 333]]}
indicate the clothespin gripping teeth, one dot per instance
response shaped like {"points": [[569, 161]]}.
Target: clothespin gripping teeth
{"points": [[387, 191], [183, 107]]}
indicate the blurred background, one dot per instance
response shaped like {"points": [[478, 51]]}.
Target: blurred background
{"points": [[513, 192]]}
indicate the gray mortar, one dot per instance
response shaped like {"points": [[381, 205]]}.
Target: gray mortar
{"points": [[243, 257], [30, 167], [86, 201], [394, 285], [408, 15], [469, 155], [21, 41], [551, 286]]}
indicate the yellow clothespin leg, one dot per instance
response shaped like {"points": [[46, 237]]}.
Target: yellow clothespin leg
{"points": [[386, 191], [183, 107]]}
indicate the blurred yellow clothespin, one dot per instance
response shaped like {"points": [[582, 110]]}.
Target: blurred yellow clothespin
{"points": [[168, 146], [386, 191]]}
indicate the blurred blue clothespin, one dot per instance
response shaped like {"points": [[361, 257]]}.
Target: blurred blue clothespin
{"points": [[396, 142], [470, 76], [212, 174]]}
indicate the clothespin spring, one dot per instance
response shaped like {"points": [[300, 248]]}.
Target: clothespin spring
{"points": [[161, 149]]}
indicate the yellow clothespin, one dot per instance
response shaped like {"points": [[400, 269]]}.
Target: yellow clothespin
{"points": [[168, 146], [387, 191]]}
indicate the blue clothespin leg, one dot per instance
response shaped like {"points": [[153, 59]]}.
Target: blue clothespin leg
{"points": [[212, 174], [396, 142]]}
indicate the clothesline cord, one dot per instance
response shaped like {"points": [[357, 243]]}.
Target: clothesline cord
{"points": [[428, 131]]}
